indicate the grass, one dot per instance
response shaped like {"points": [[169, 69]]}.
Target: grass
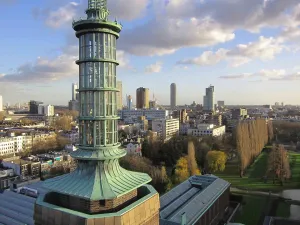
{"points": [[253, 177], [251, 210]]}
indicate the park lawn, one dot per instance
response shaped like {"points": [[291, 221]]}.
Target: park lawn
{"points": [[253, 177], [251, 210]]}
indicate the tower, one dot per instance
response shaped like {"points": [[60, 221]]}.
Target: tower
{"points": [[74, 92], [129, 102], [209, 99], [142, 98], [173, 95], [99, 191]]}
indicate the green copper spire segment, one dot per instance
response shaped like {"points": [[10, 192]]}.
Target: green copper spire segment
{"points": [[97, 9]]}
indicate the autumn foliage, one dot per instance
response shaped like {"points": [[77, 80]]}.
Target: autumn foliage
{"points": [[186, 166], [251, 137], [216, 160], [278, 164]]}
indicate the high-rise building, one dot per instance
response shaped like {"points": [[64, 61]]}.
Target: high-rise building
{"points": [[99, 191], [1, 103], [142, 98], [209, 99], [129, 102], [173, 95], [119, 96], [74, 92], [34, 107], [47, 110]]}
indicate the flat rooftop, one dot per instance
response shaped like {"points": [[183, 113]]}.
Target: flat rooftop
{"points": [[18, 209], [192, 197]]}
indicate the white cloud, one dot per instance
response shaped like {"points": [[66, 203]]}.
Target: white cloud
{"points": [[154, 68], [263, 49], [44, 70], [266, 75], [62, 15]]}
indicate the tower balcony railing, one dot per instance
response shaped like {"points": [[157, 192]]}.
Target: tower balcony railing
{"points": [[96, 20]]}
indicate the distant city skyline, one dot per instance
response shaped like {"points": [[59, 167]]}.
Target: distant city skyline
{"points": [[247, 60]]}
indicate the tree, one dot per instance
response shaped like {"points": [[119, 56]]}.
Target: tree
{"points": [[192, 163], [62, 142], [2, 116], [251, 137], [278, 164], [216, 160], [64, 123], [181, 170]]}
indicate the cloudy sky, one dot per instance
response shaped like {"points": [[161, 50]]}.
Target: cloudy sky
{"points": [[248, 49]]}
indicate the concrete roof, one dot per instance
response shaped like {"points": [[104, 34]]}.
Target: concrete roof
{"points": [[192, 197]]}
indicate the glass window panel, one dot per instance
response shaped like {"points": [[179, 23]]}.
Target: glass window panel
{"points": [[97, 135], [102, 132], [82, 102], [90, 133]]}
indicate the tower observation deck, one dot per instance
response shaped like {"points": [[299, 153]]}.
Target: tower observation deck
{"points": [[99, 184]]}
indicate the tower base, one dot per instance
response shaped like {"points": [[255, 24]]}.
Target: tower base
{"points": [[143, 211]]}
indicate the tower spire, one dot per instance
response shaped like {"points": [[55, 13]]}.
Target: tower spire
{"points": [[97, 9]]}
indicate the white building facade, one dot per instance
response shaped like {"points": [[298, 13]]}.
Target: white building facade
{"points": [[47, 110], [131, 116], [207, 130], [166, 128]]}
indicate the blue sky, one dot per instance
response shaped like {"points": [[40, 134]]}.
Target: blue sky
{"points": [[249, 50]]}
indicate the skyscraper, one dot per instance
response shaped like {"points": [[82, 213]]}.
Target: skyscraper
{"points": [[74, 92], [99, 191], [142, 98], [119, 96], [1, 103], [173, 95], [209, 99], [129, 102]]}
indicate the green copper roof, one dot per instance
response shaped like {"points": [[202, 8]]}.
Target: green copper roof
{"points": [[97, 180]]}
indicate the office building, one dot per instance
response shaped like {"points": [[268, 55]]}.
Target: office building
{"points": [[99, 191], [201, 200], [74, 92], [209, 99], [166, 128], [142, 98], [173, 96], [1, 103], [34, 107], [207, 130], [221, 103], [47, 110], [238, 114], [119, 95], [131, 116], [129, 102]]}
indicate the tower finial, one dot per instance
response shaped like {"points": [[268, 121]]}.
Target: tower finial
{"points": [[97, 9]]}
